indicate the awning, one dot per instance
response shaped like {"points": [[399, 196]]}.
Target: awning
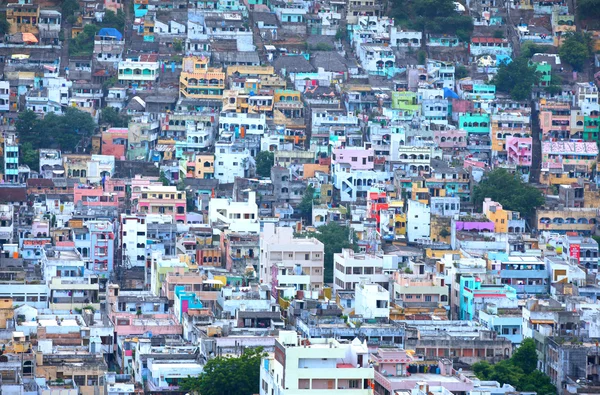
{"points": [[542, 322], [29, 38], [214, 282], [19, 56]]}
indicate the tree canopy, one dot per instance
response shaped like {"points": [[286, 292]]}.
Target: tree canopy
{"points": [[264, 162], [305, 206], [588, 9], [519, 371], [576, 50], [335, 238], [433, 16], [54, 131], [509, 190], [112, 117], [83, 44], [228, 375], [4, 25], [517, 78]]}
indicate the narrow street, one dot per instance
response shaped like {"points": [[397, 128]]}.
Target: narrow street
{"points": [[64, 51]]}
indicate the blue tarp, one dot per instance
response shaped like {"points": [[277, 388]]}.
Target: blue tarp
{"points": [[110, 32], [450, 94]]}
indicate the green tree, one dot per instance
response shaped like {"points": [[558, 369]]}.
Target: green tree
{"points": [[112, 117], [588, 9], [335, 238], [498, 34], [305, 205], [177, 45], [509, 190], [114, 20], [29, 156], [28, 128], [576, 50], [228, 375], [519, 371], [4, 25], [525, 356], [163, 178], [517, 78], [432, 16], [264, 162], [461, 72], [69, 8], [83, 44], [528, 49]]}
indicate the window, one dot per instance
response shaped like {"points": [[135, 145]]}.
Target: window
{"points": [[428, 298], [353, 383], [354, 159], [306, 257]]}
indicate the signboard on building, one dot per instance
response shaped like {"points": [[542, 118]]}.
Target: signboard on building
{"points": [[575, 251]]}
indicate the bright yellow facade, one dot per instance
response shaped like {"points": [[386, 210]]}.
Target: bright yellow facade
{"points": [[198, 81]]}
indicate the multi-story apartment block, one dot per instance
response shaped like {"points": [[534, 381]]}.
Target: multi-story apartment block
{"points": [[139, 71], [349, 267], [418, 290], [158, 199], [316, 365], [11, 158], [23, 16], [4, 96], [198, 81], [239, 216], [299, 257]]}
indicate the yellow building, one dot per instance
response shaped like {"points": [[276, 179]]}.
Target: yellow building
{"points": [[198, 81], [397, 207], [23, 18], [203, 167], [505, 221], [250, 71], [6, 312], [440, 229], [420, 192]]}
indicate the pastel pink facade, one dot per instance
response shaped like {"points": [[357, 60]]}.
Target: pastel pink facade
{"points": [[113, 5], [158, 199], [357, 158], [569, 153], [450, 138], [114, 142], [94, 196], [555, 120], [519, 151], [393, 368]]}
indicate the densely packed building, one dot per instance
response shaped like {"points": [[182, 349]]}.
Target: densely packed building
{"points": [[302, 176]]}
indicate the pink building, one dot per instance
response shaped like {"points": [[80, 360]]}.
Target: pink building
{"points": [[139, 182], [357, 158], [94, 196], [450, 138], [114, 142], [518, 150], [398, 370], [570, 153], [555, 120], [113, 5]]}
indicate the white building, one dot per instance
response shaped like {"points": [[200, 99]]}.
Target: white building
{"points": [[133, 240], [316, 366], [232, 159], [371, 301], [405, 38], [242, 123], [418, 221], [350, 268], [298, 256], [140, 70], [376, 58], [4, 96], [240, 216], [6, 222]]}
